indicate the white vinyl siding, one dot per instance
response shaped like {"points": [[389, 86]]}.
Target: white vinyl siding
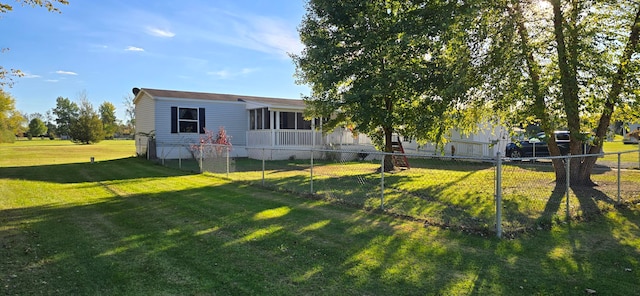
{"points": [[230, 115], [144, 114]]}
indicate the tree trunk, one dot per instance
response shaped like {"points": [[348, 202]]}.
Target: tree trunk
{"points": [[569, 88], [539, 108]]}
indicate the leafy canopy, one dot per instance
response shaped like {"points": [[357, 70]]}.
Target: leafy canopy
{"points": [[10, 119], [87, 128], [108, 117], [66, 112], [37, 128], [380, 66]]}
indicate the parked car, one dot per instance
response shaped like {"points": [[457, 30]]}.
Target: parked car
{"points": [[537, 146]]}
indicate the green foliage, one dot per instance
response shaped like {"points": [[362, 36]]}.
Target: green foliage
{"points": [[87, 128], [557, 64], [109, 121], [10, 119], [66, 112], [36, 128], [381, 66]]}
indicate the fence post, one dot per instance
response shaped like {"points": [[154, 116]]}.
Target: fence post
{"points": [[201, 158], [499, 195], [162, 151], [263, 166], [619, 154], [382, 182], [180, 157], [227, 161], [568, 183], [311, 170]]}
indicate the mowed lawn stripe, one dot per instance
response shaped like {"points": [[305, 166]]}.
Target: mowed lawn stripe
{"points": [[196, 233], [126, 226]]}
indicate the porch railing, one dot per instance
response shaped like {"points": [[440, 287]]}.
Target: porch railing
{"points": [[284, 138], [303, 138]]}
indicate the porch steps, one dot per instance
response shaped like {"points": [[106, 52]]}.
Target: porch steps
{"points": [[399, 160]]}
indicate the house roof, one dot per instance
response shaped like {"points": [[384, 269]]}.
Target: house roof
{"points": [[267, 102]]}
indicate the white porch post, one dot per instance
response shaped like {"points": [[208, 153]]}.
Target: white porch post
{"points": [[272, 117], [277, 127]]}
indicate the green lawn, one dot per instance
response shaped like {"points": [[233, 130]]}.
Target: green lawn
{"points": [[610, 148], [45, 151], [125, 226]]}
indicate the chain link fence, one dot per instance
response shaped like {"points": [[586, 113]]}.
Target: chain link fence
{"points": [[488, 196]]}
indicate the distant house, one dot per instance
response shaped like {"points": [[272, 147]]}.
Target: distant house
{"points": [[628, 139], [168, 120]]}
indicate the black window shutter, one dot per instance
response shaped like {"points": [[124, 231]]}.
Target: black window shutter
{"points": [[202, 120], [174, 120]]}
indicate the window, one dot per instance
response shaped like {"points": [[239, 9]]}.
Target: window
{"points": [[562, 136], [301, 123], [287, 120], [259, 119], [294, 120], [187, 120]]}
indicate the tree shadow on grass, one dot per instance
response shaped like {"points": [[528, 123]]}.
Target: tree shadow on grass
{"points": [[214, 240], [119, 169], [221, 238]]}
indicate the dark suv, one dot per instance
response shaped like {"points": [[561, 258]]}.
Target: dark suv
{"points": [[537, 146]]}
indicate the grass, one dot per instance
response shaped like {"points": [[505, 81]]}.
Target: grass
{"points": [[39, 151], [125, 226], [455, 194]]}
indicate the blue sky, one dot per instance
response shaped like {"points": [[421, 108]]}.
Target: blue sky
{"points": [[105, 48]]}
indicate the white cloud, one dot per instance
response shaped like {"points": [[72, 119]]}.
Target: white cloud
{"points": [[133, 48], [66, 72], [225, 74], [159, 32], [266, 34], [28, 75], [222, 74], [52, 80], [275, 35]]}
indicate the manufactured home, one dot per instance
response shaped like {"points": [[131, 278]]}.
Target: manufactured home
{"points": [[167, 121]]}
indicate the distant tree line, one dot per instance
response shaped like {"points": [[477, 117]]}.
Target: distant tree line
{"points": [[75, 121]]}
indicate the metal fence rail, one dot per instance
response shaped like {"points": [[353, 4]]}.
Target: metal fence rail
{"points": [[501, 196]]}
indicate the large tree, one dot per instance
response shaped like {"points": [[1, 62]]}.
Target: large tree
{"points": [[11, 120], [380, 66], [66, 112], [559, 64], [36, 128], [109, 121], [7, 74], [87, 127]]}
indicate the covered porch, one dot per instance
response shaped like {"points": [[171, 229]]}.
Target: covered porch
{"points": [[283, 125]]}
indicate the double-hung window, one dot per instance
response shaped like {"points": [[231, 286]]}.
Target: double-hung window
{"points": [[187, 120]]}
